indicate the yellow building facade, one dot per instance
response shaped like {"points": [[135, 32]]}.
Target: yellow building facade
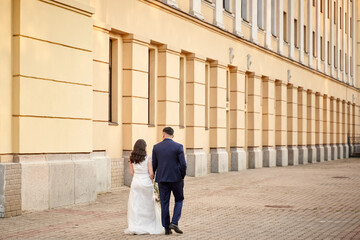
{"points": [[244, 84]]}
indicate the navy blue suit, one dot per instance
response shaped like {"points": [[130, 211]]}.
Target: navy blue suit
{"points": [[169, 164]]}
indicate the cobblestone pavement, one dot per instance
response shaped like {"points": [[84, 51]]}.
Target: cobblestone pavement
{"points": [[314, 201]]}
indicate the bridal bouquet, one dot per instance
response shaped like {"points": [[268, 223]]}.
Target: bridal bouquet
{"points": [[156, 192]]}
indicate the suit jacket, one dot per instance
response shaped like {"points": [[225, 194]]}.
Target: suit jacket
{"points": [[168, 161]]}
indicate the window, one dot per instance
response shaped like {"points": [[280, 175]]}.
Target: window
{"points": [[351, 27], [322, 6], [340, 56], [314, 3], [335, 62], [207, 97], [113, 81], [151, 86], [260, 14], [328, 52], [340, 18], [226, 5], [346, 23], [334, 12], [346, 63], [314, 44], [110, 79], [305, 42], [182, 92], [285, 27], [328, 12], [351, 66], [244, 10], [296, 33], [322, 49], [273, 18]]}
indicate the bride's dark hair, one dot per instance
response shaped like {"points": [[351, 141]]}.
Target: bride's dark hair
{"points": [[138, 154]]}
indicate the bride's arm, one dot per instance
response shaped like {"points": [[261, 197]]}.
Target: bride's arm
{"points": [[151, 172], [131, 169]]}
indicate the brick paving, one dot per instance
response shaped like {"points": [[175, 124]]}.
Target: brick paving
{"points": [[314, 201]]}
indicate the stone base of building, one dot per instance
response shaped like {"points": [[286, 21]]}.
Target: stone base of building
{"points": [[351, 149], [117, 172], [269, 157], [293, 155], [103, 171], [282, 156], [56, 180], [254, 157], [346, 151], [303, 155], [10, 189], [196, 162], [219, 160], [238, 159], [340, 151], [327, 153], [357, 148], [320, 153], [311, 154], [127, 174], [334, 152]]}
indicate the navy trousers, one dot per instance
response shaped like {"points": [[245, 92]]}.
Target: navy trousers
{"points": [[165, 189]]}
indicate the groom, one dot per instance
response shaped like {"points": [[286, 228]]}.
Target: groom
{"points": [[169, 164]]}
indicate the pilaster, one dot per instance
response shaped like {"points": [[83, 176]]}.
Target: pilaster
{"points": [[267, 23], [218, 14], [291, 28], [238, 19], [280, 26], [338, 40], [268, 122], [254, 121], [326, 128], [195, 112], [331, 9], [311, 126], [302, 125], [292, 124], [309, 33], [343, 40], [319, 101], [254, 26], [237, 120], [354, 49], [348, 48], [135, 71], [219, 156], [325, 37], [318, 46], [281, 124], [301, 31], [334, 151], [195, 9], [168, 78], [339, 128], [344, 129]]}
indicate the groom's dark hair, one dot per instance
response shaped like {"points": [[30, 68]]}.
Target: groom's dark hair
{"points": [[168, 131]]}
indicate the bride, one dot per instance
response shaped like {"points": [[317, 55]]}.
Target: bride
{"points": [[143, 214]]}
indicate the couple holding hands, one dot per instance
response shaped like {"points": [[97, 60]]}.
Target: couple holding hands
{"points": [[169, 167]]}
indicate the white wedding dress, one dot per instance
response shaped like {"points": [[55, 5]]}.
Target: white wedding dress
{"points": [[144, 214]]}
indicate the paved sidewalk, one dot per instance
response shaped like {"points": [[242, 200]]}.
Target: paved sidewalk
{"points": [[314, 201]]}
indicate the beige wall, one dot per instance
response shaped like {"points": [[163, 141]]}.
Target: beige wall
{"points": [[5, 78], [57, 103], [52, 83]]}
